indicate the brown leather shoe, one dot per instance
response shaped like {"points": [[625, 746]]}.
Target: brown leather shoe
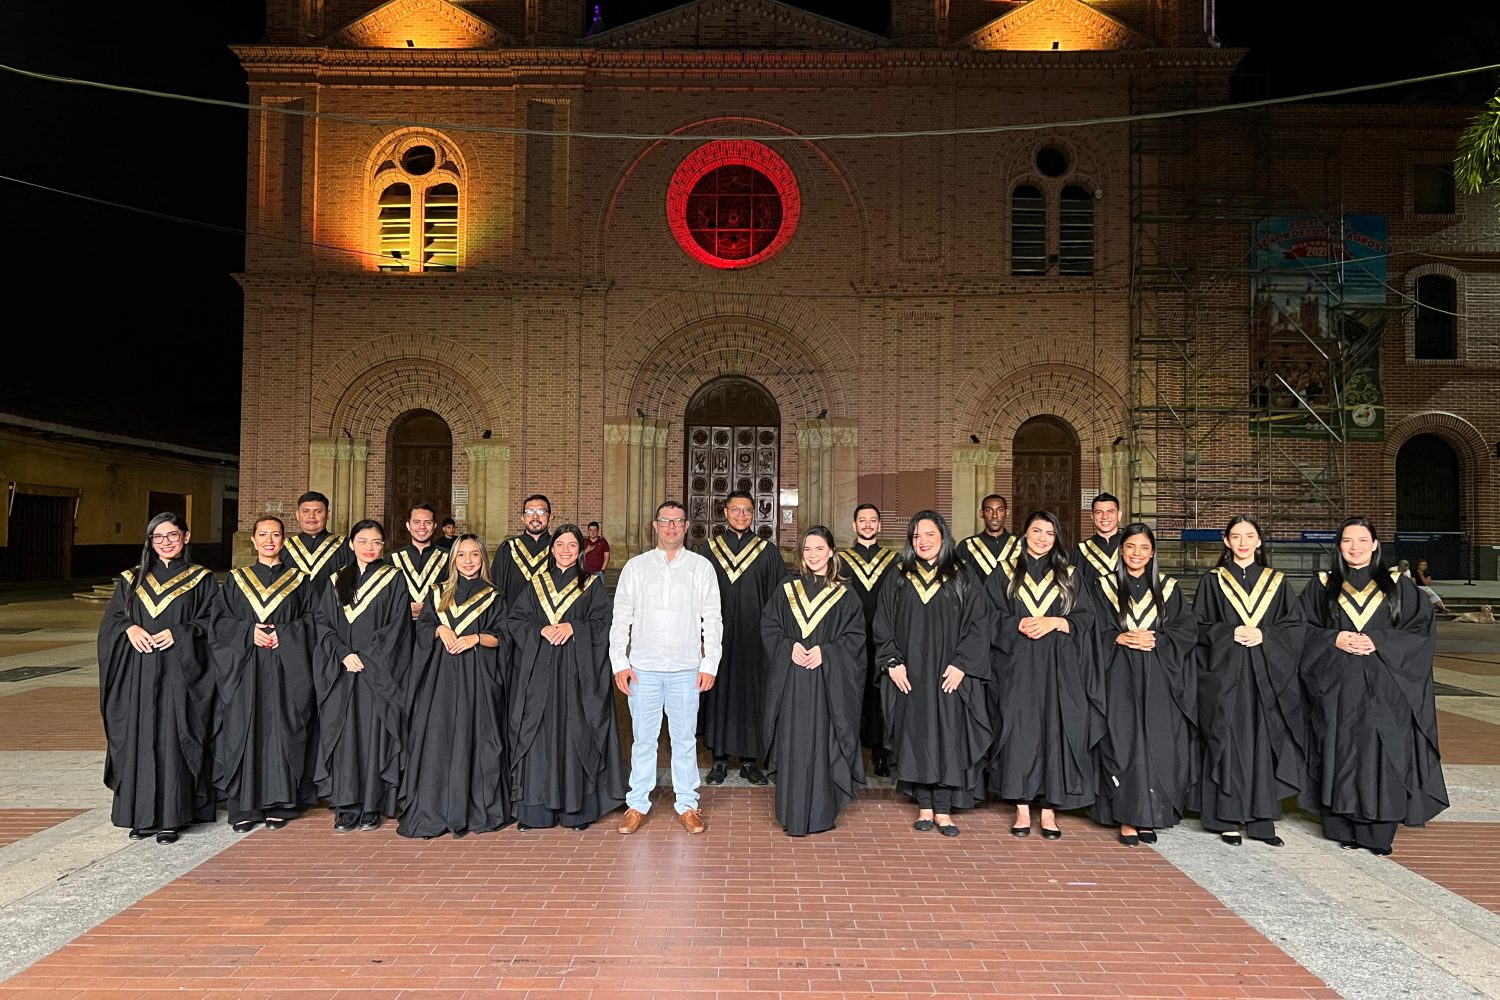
{"points": [[631, 821], [692, 821]]}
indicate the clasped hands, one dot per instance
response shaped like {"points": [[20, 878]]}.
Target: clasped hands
{"points": [[149, 642], [1035, 628], [1355, 642], [264, 636], [557, 634], [1137, 638], [454, 643], [1248, 635], [812, 659], [951, 678]]}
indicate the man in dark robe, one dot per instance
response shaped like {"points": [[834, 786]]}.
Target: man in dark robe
{"points": [[869, 565], [447, 534], [315, 551], [1099, 554], [521, 557], [994, 544], [421, 561], [750, 570]]}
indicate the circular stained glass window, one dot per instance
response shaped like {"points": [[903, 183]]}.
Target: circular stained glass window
{"points": [[733, 203]]}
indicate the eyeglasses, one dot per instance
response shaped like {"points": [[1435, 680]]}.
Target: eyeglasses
{"points": [[535, 512], [167, 539], [671, 522], [739, 510]]}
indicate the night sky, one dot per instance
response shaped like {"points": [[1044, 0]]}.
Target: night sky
{"points": [[119, 317]]}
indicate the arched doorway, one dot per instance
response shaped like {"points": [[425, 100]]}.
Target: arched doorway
{"points": [[1044, 470], [733, 443], [1427, 503], [419, 468]]}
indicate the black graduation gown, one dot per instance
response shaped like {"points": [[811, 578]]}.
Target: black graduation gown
{"points": [[1097, 555], [265, 717], [566, 766], [750, 570], [1149, 755], [812, 717], [423, 569], [936, 737], [456, 779], [158, 706], [361, 715], [1050, 691], [1249, 698], [870, 568], [318, 557], [517, 560], [986, 552], [1373, 753]]}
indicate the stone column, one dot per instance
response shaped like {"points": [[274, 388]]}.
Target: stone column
{"points": [[973, 480], [336, 468], [635, 470], [827, 474], [489, 486], [1115, 477]]}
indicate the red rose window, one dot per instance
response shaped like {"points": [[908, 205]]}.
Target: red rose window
{"points": [[733, 204]]}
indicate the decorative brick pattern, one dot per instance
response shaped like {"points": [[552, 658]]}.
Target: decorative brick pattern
{"points": [[18, 824], [1461, 857], [52, 718]]}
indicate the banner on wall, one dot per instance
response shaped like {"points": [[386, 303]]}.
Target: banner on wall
{"points": [[1318, 307]]}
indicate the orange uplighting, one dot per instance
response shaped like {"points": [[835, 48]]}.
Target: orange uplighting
{"points": [[1055, 25]]}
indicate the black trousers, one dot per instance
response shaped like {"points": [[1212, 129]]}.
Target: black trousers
{"points": [[938, 798], [1372, 836]]}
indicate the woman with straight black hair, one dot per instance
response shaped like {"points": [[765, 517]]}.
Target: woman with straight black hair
{"points": [[566, 767], [1367, 668], [814, 634], [932, 632], [364, 653], [457, 774], [1149, 755], [156, 688], [1050, 690], [1250, 716]]}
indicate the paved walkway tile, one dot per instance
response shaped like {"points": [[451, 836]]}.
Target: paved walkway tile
{"points": [[1470, 663], [1461, 857], [17, 824], [51, 718], [1464, 740], [872, 909]]}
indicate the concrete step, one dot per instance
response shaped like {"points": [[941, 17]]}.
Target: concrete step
{"points": [[101, 594]]}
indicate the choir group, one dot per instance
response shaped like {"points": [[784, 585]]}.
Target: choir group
{"points": [[461, 694]]}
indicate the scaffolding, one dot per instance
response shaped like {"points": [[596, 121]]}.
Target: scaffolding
{"points": [[1235, 401]]}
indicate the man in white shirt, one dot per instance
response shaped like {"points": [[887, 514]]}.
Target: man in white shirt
{"points": [[664, 647]]}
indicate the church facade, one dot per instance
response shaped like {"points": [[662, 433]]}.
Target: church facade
{"points": [[498, 249]]}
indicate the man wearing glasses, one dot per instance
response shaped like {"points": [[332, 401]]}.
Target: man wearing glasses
{"points": [[664, 650], [521, 557]]}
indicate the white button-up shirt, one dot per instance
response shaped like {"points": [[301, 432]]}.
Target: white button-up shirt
{"points": [[667, 615]]}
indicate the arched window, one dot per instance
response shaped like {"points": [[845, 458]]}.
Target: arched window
{"points": [[1028, 231], [1437, 318], [418, 183], [1075, 231]]}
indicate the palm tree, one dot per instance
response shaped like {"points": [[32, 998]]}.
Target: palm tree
{"points": [[1478, 164]]}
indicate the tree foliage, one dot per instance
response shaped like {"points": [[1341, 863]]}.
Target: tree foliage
{"points": [[1478, 164]]}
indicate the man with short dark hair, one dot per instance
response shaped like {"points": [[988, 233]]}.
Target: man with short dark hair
{"points": [[420, 561], [1100, 554], [448, 534], [521, 557], [870, 568], [316, 552], [992, 546], [595, 550]]}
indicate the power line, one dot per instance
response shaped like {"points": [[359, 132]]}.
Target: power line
{"points": [[699, 137]]}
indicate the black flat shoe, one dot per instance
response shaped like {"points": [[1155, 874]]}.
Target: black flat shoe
{"points": [[1147, 836], [1381, 852], [752, 774], [882, 769], [1271, 841], [924, 826], [582, 827], [717, 773], [522, 827], [1232, 839], [139, 834], [950, 830], [1348, 845], [369, 821], [1051, 834], [167, 837], [1020, 831], [275, 824], [345, 822], [1130, 839], [243, 826]]}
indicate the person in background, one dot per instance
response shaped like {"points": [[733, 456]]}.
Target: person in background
{"points": [[595, 550]]}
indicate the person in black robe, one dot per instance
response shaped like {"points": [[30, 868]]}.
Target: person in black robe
{"points": [[421, 561], [262, 637], [447, 534], [870, 566], [316, 552], [1367, 669], [364, 632], [992, 546], [156, 689], [814, 632], [932, 634], [1149, 754], [750, 570], [1250, 633], [457, 774], [521, 557], [1051, 697], [566, 766], [1099, 554]]}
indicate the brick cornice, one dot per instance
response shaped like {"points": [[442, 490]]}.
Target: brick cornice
{"points": [[293, 282], [1116, 33], [680, 26]]}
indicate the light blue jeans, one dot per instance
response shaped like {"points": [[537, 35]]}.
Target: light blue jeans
{"points": [[677, 693]]}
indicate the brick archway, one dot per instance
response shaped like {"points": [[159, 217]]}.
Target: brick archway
{"points": [[1478, 506]]}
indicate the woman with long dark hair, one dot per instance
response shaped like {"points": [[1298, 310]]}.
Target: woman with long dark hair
{"points": [[1367, 668], [932, 632], [1050, 692], [814, 634], [364, 653], [457, 776], [262, 636], [1149, 754], [1250, 634], [565, 743], [156, 688]]}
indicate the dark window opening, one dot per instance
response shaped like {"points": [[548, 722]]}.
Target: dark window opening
{"points": [[1437, 319], [1028, 231]]}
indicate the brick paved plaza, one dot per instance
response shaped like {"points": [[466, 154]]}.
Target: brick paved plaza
{"points": [[870, 910]]}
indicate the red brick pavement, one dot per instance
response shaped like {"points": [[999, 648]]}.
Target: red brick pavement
{"points": [[1467, 741], [1461, 857], [51, 718], [17, 824], [872, 909]]}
